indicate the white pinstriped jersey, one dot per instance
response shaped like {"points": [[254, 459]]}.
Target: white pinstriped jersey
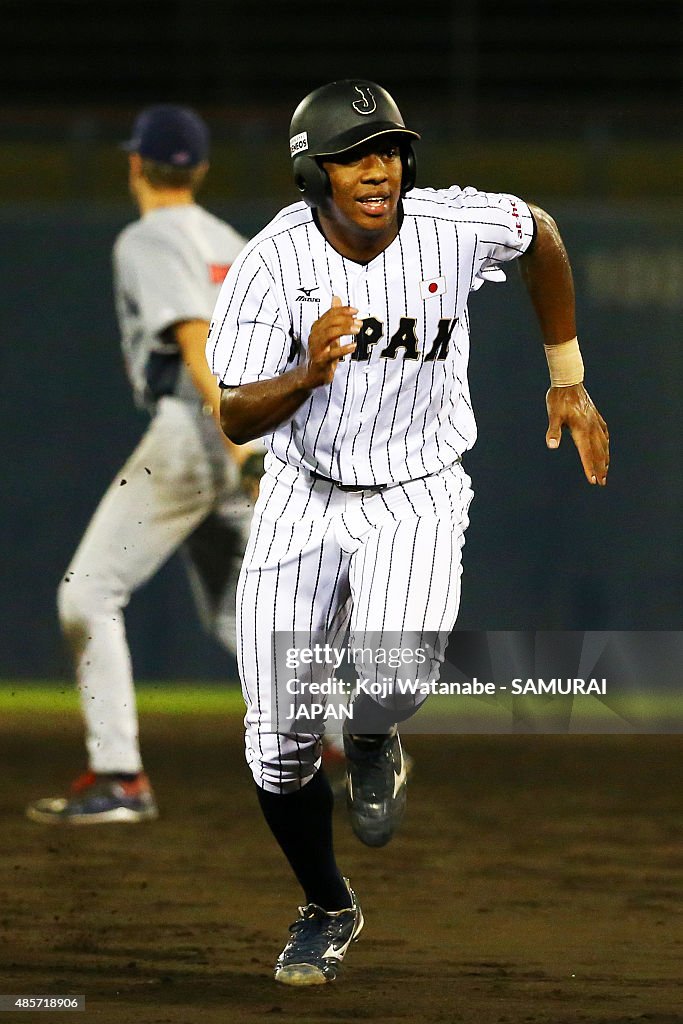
{"points": [[168, 267], [398, 408]]}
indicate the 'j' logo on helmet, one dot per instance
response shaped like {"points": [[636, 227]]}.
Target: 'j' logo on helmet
{"points": [[366, 104]]}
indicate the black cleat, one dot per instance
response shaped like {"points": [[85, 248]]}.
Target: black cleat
{"points": [[375, 787], [319, 939]]}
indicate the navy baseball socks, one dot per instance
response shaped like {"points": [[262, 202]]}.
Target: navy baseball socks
{"points": [[99, 799], [302, 824]]}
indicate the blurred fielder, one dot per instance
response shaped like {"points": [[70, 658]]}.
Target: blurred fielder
{"points": [[183, 486]]}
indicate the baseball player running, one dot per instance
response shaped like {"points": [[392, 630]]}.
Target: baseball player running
{"points": [[341, 336], [181, 487]]}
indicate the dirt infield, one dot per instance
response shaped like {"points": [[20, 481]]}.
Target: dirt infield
{"points": [[537, 879]]}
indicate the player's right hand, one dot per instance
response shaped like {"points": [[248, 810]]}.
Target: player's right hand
{"points": [[324, 348]]}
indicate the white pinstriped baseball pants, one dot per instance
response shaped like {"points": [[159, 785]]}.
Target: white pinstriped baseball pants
{"points": [[319, 560]]}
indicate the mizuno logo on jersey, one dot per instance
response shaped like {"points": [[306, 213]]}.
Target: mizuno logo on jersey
{"points": [[306, 294]]}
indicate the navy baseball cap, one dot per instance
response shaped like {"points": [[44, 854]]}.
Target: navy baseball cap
{"points": [[171, 135]]}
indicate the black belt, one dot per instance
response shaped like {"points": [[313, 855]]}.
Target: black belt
{"points": [[351, 487], [372, 487]]}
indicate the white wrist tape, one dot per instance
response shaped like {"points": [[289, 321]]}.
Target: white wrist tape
{"points": [[565, 363]]}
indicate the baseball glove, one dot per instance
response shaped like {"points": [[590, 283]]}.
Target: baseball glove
{"points": [[251, 472]]}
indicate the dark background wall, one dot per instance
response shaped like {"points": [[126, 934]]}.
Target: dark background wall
{"points": [[575, 105], [617, 57]]}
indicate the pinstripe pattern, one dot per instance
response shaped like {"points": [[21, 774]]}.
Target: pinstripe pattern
{"points": [[384, 420], [319, 560]]}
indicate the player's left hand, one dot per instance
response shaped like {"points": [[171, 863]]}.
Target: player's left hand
{"points": [[573, 407]]}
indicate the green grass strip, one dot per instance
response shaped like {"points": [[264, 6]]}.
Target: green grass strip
{"points": [[24, 697], [640, 712]]}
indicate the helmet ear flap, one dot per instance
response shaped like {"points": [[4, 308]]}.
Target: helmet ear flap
{"points": [[311, 179], [409, 168]]}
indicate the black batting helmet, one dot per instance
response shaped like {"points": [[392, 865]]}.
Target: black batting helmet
{"points": [[334, 119]]}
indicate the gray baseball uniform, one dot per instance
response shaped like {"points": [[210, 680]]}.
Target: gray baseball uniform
{"points": [[179, 488]]}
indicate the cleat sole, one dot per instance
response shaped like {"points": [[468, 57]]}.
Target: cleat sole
{"points": [[301, 975], [118, 815]]}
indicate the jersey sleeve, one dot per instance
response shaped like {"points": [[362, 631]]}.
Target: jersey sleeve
{"points": [[248, 339], [504, 229], [158, 278]]}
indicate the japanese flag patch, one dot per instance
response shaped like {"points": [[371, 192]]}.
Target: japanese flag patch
{"points": [[437, 286]]}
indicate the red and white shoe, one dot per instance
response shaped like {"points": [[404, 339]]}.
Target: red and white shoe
{"points": [[96, 800]]}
